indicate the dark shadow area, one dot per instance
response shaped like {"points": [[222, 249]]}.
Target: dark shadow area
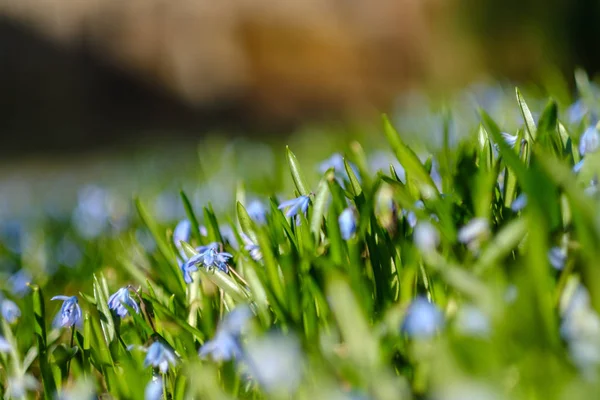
{"points": [[55, 99]]}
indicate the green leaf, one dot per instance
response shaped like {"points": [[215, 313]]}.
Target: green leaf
{"points": [[318, 210], [221, 279], [409, 160], [297, 175], [106, 318], [354, 183], [548, 136], [527, 116], [171, 272], [189, 211], [245, 221], [39, 313]]}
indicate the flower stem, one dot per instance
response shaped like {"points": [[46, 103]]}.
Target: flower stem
{"points": [[70, 348]]}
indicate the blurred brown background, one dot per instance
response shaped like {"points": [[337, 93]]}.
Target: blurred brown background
{"points": [[78, 74]]}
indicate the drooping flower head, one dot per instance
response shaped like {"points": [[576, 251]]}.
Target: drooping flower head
{"points": [[347, 222], [226, 343], [589, 141], [252, 248], [5, 346], [426, 237], [154, 389], [208, 256], [519, 203], [182, 233], [423, 319], [257, 211], [295, 205], [474, 233], [119, 299], [10, 311], [160, 355], [69, 314]]}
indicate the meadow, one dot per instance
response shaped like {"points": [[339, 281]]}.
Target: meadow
{"points": [[458, 261]]}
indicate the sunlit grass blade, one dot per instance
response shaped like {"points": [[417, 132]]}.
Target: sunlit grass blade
{"points": [[409, 160], [297, 175], [39, 313]]}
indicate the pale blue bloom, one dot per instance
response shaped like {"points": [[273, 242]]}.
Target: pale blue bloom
{"points": [[209, 257], [577, 167], [187, 268], [511, 140], [252, 248], [410, 216], [119, 299], [471, 321], [69, 314], [294, 205], [474, 232], [426, 237], [257, 211], [276, 362], [519, 203], [5, 347], [557, 257], [228, 236], [347, 222], [10, 311], [223, 347], [160, 355], [589, 141], [577, 111], [580, 328], [20, 384], [154, 389], [226, 343], [592, 188], [19, 282], [423, 319], [182, 233]]}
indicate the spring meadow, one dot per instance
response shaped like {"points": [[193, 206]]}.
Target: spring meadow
{"points": [[469, 271]]}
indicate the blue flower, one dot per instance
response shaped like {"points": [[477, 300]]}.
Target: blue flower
{"points": [[154, 389], [577, 167], [10, 311], [473, 233], [576, 112], [557, 257], [182, 233], [69, 314], [426, 237], [471, 321], [519, 203], [223, 347], [252, 248], [509, 139], [160, 355], [276, 363], [423, 319], [295, 205], [19, 282], [589, 141], [120, 298], [226, 343], [347, 223], [5, 346], [209, 257], [257, 211]]}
